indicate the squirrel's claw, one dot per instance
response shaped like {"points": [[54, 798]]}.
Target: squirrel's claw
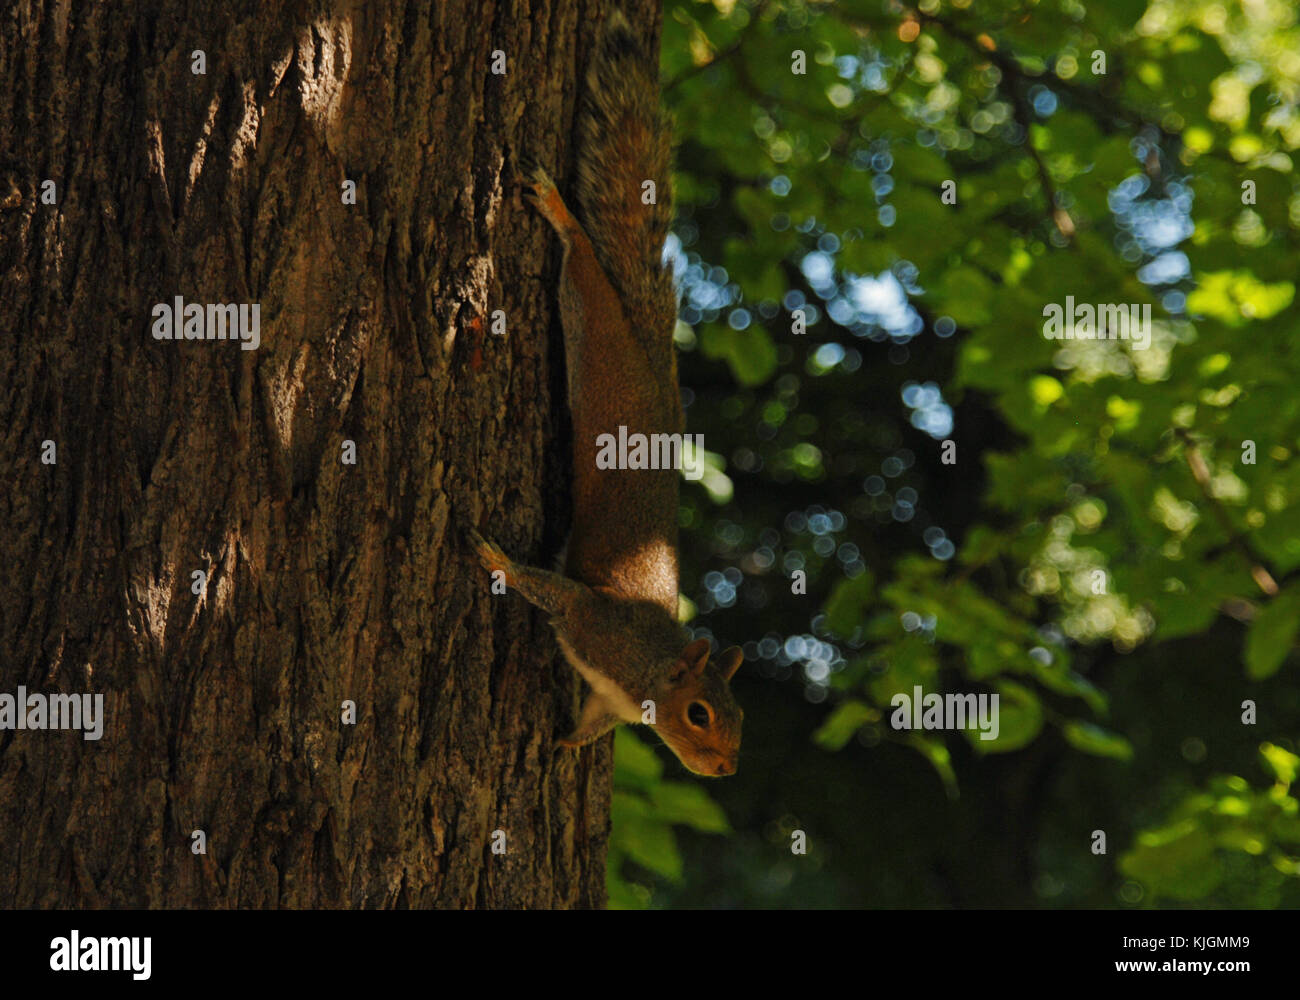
{"points": [[489, 554], [537, 181], [540, 192]]}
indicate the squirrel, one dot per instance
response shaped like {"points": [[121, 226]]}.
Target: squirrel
{"points": [[614, 610]]}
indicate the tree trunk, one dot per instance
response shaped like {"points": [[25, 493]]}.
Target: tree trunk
{"points": [[326, 582]]}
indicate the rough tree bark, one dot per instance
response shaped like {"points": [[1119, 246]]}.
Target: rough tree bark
{"points": [[327, 582]]}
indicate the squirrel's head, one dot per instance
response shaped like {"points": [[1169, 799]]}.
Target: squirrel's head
{"points": [[700, 720]]}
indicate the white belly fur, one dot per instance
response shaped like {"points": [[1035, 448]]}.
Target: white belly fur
{"points": [[619, 701]]}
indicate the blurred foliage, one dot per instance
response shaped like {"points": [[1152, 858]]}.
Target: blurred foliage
{"points": [[644, 810], [1105, 532], [1190, 855]]}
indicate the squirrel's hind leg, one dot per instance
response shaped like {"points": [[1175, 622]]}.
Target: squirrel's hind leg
{"points": [[548, 591]]}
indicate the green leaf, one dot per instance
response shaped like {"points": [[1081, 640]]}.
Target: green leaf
{"points": [[690, 805], [623, 894], [635, 764], [1284, 764], [966, 295], [847, 606], [1177, 861], [940, 759], [920, 164], [1236, 297], [645, 840], [839, 727], [1272, 634], [1097, 741], [750, 352], [1069, 682], [1019, 715]]}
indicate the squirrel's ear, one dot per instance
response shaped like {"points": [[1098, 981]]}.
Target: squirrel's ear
{"points": [[696, 655], [729, 662]]}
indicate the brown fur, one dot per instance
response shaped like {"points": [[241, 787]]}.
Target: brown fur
{"points": [[615, 610]]}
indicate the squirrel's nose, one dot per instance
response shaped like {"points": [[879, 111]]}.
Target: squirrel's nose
{"points": [[727, 767]]}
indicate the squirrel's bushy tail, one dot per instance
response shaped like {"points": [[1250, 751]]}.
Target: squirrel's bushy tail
{"points": [[625, 141]]}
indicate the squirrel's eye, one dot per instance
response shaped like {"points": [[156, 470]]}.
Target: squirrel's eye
{"points": [[697, 715]]}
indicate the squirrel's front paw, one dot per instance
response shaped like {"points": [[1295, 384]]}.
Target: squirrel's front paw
{"points": [[489, 554]]}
